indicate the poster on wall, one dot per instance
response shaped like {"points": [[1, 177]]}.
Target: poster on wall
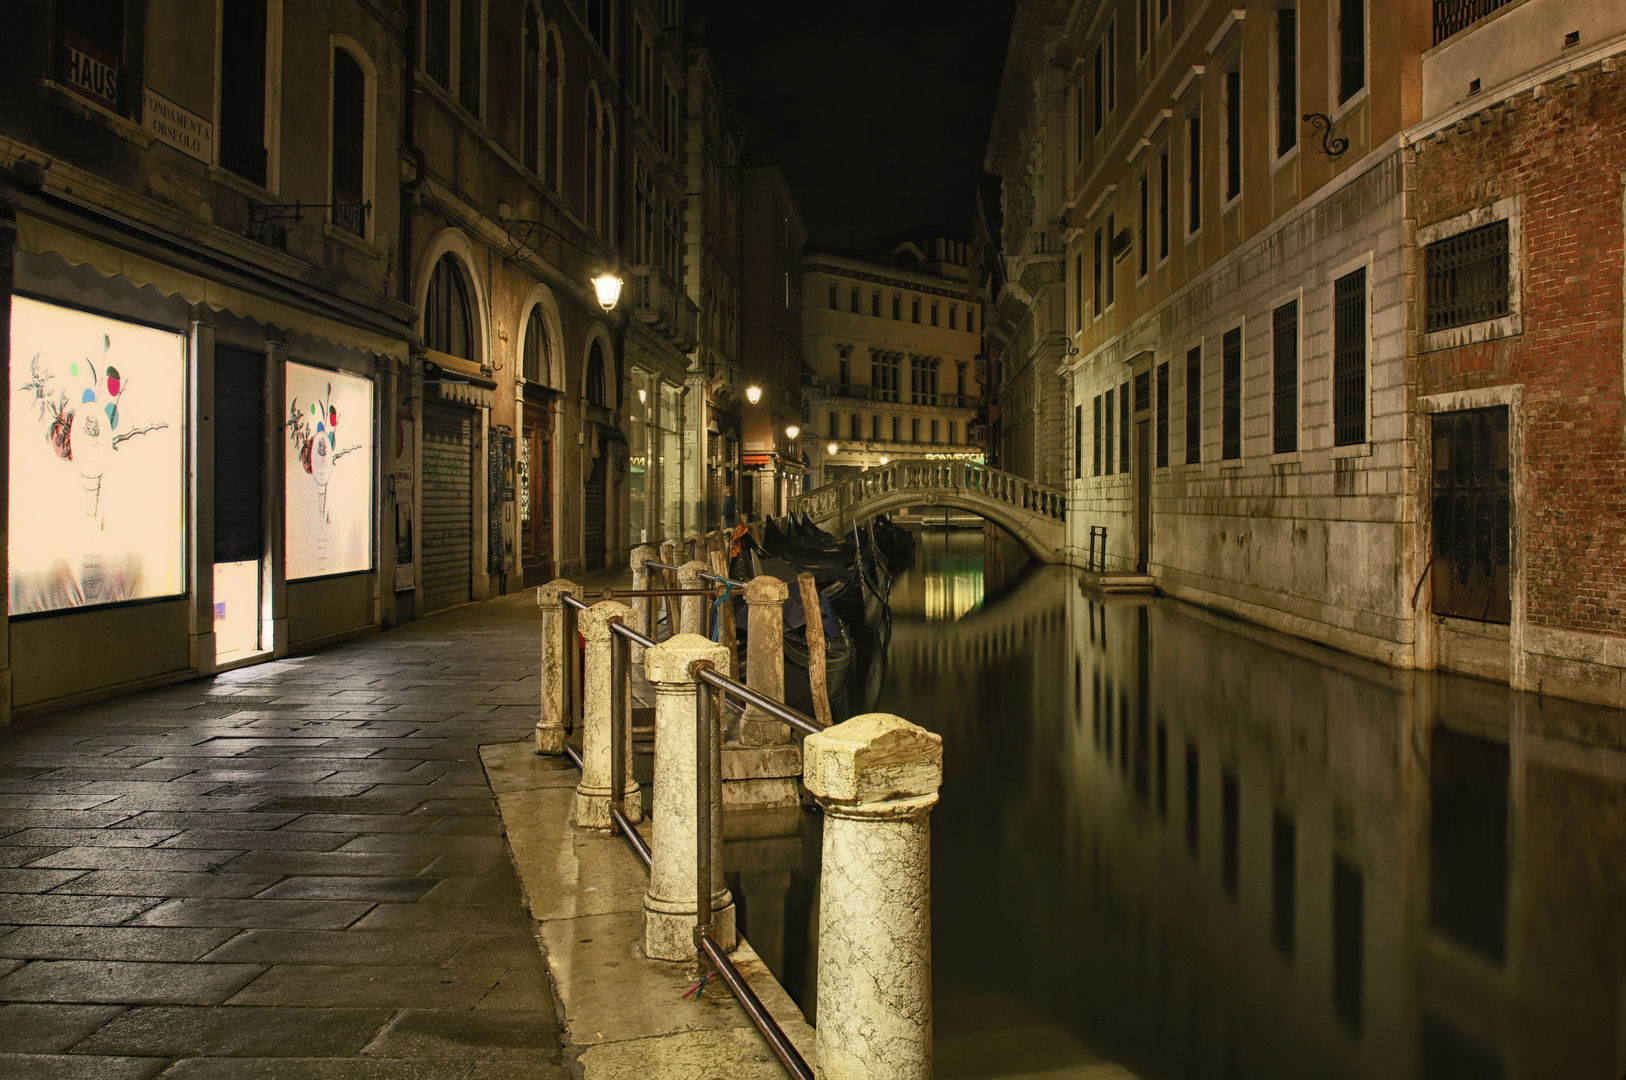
{"points": [[329, 451], [98, 460]]}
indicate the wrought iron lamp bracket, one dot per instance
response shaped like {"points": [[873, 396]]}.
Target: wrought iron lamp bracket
{"points": [[1333, 147], [262, 214], [521, 232]]}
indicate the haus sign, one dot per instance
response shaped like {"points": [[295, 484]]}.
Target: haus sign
{"points": [[90, 72], [186, 131]]}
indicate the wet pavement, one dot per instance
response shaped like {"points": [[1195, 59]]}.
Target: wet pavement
{"points": [[293, 870]]}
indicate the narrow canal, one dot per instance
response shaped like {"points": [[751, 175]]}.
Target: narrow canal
{"points": [[1195, 848]]}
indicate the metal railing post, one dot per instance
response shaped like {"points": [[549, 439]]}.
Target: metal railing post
{"points": [[641, 554]]}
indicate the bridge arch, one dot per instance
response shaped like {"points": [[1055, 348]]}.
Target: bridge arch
{"points": [[1035, 514]]}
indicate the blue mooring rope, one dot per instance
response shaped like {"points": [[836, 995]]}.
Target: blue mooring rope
{"points": [[716, 609]]}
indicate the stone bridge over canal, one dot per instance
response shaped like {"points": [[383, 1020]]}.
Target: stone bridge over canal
{"points": [[1033, 513]]}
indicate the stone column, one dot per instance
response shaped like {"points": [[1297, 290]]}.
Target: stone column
{"points": [[594, 792], [765, 598], [669, 906], [550, 729], [695, 612], [876, 779], [640, 604]]}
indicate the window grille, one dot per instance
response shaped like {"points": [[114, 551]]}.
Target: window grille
{"points": [[1143, 391], [1194, 406], [1106, 439], [1078, 441], [1096, 428], [1163, 416], [1451, 16], [1349, 359], [1467, 277], [1231, 387], [1123, 428], [1285, 354]]}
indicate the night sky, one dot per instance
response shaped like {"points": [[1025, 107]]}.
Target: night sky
{"points": [[878, 110]]}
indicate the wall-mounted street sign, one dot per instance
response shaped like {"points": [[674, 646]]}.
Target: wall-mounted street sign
{"points": [[186, 131]]}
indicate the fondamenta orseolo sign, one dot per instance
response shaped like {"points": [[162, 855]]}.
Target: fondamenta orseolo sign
{"points": [[98, 463], [186, 131], [90, 71]]}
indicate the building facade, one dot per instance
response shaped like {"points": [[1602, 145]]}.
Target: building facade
{"points": [[891, 338], [303, 320], [774, 467], [1211, 237]]}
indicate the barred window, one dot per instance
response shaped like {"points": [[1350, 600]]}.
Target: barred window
{"points": [[1106, 438], [1451, 16], [1078, 441], [1349, 359], [1194, 405], [1123, 428], [1285, 360], [1231, 392], [1467, 277], [1163, 416], [1096, 427]]}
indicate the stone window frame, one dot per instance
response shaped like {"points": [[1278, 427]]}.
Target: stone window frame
{"points": [[1509, 209]]}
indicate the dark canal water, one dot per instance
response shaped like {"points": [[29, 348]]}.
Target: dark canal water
{"points": [[1193, 848]]}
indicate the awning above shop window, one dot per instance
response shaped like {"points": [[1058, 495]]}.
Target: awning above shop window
{"points": [[37, 236]]}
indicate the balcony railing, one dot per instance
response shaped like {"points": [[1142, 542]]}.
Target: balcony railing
{"points": [[1451, 16], [657, 301]]}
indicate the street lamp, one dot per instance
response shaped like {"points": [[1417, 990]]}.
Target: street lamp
{"points": [[792, 431], [883, 459], [608, 287], [753, 394], [832, 448]]}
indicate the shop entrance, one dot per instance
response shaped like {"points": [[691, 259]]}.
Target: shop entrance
{"points": [[239, 419], [448, 505], [534, 482]]}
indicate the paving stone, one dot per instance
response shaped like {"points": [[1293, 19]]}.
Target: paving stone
{"points": [[364, 823], [487, 1034], [316, 914], [70, 910], [76, 1067], [142, 858], [66, 838], [472, 918], [166, 883], [341, 805], [128, 983], [484, 890], [21, 856], [229, 1068], [34, 881], [351, 888], [466, 826], [52, 802], [65, 819], [336, 947], [181, 1031], [279, 840], [47, 1029], [335, 863], [433, 846], [111, 942], [398, 987], [176, 821]]}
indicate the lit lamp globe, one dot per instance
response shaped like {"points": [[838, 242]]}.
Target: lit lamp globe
{"points": [[792, 431], [608, 287], [883, 459], [832, 448], [753, 394]]}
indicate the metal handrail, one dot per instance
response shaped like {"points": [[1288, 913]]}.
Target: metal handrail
{"points": [[708, 775], [722, 580]]}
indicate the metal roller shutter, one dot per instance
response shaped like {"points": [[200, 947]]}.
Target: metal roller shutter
{"points": [[448, 505], [239, 454], [594, 515]]}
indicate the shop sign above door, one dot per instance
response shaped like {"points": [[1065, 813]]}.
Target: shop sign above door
{"points": [[186, 131], [90, 72]]}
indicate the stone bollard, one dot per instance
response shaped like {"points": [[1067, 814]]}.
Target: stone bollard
{"points": [[594, 792], [669, 906], [876, 779], [641, 605], [694, 608], [765, 598], [550, 729]]}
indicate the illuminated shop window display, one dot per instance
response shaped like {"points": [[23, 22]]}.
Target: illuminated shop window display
{"points": [[98, 460], [329, 450]]}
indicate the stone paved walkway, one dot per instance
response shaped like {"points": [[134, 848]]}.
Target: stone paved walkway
{"points": [[294, 870]]}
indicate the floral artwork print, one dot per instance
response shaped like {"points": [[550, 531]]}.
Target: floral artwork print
{"points": [[85, 432], [314, 434]]}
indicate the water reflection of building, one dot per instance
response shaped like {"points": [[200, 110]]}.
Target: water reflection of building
{"points": [[1287, 863]]}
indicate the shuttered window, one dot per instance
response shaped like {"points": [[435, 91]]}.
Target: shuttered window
{"points": [[242, 89], [1349, 359], [446, 318], [1194, 405], [349, 142], [448, 505], [1285, 361]]}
